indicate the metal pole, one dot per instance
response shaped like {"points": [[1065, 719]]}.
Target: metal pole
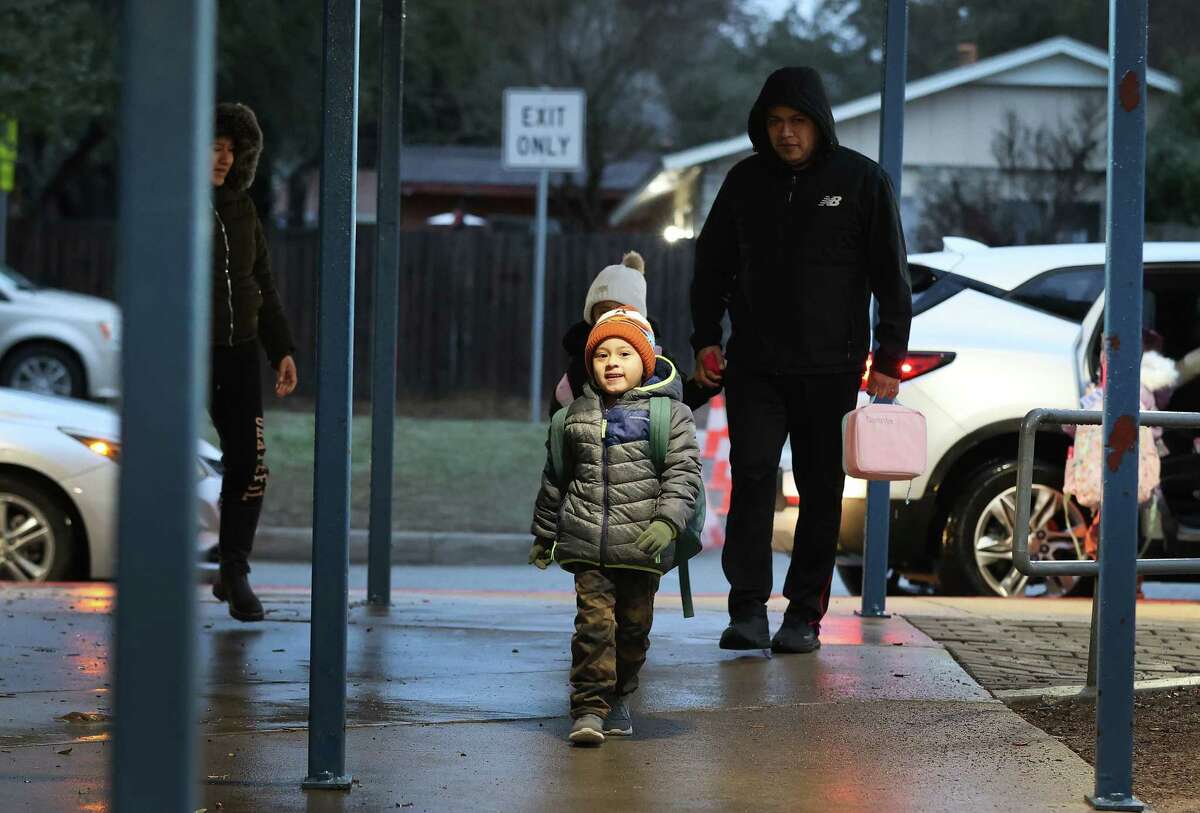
{"points": [[8, 168], [1117, 586], [164, 277], [891, 158], [539, 300], [335, 363], [3, 227], [385, 303]]}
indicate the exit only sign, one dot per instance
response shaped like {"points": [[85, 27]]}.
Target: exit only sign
{"points": [[544, 129]]}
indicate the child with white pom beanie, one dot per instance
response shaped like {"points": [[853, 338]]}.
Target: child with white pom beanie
{"points": [[615, 286]]}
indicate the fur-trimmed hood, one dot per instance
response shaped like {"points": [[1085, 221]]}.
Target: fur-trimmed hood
{"points": [[238, 122], [1158, 372]]}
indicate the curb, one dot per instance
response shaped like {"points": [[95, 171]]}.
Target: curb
{"points": [[1016, 697], [278, 544]]}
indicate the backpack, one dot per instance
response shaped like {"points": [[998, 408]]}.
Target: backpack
{"points": [[688, 543]]}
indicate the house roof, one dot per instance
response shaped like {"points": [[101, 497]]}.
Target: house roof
{"points": [[449, 165], [1019, 67]]}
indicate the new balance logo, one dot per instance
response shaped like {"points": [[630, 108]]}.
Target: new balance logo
{"points": [[831, 200]]}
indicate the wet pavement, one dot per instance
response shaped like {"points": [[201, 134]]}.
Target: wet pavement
{"points": [[457, 701]]}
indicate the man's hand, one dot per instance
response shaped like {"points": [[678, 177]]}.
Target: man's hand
{"points": [[285, 377], [710, 366], [539, 554], [883, 386]]}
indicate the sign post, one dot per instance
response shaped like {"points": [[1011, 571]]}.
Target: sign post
{"points": [[8, 168], [543, 130]]}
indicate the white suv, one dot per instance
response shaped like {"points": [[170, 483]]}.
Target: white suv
{"points": [[997, 332], [56, 342]]}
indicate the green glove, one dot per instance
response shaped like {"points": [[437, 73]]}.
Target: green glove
{"points": [[539, 554], [655, 539]]}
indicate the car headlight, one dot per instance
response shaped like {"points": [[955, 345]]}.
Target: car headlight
{"points": [[101, 446]]}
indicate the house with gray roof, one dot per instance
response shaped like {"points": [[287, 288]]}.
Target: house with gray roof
{"points": [[951, 122]]}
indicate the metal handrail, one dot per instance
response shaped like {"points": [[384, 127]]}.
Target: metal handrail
{"points": [[1025, 458]]}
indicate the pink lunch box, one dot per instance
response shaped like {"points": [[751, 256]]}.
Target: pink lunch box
{"points": [[883, 442]]}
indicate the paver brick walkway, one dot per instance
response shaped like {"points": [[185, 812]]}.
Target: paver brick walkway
{"points": [[1024, 653]]}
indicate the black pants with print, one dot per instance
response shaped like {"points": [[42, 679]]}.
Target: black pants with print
{"points": [[236, 407], [615, 610], [763, 410]]}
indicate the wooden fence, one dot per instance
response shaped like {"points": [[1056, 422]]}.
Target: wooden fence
{"points": [[465, 317]]}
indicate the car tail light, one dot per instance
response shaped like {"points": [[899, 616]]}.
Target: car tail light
{"points": [[914, 364]]}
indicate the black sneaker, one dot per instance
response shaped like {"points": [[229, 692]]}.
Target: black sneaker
{"points": [[747, 633], [619, 722], [795, 638]]}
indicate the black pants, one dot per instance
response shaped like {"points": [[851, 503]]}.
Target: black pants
{"points": [[236, 407], [762, 411]]}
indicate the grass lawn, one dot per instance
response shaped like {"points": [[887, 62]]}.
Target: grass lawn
{"points": [[450, 475]]}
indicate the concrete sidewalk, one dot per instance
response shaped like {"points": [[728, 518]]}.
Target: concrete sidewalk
{"points": [[457, 701]]}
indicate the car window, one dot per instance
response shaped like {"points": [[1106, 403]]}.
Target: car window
{"points": [[1066, 292], [929, 287], [22, 282]]}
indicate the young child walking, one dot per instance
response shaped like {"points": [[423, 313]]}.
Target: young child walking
{"points": [[608, 514]]}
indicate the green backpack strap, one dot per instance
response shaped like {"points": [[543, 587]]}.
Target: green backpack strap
{"points": [[660, 437], [685, 589], [558, 445], [660, 430]]}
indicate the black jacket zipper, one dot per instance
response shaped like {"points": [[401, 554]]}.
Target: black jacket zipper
{"points": [[228, 278]]}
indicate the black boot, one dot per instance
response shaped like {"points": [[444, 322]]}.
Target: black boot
{"points": [[233, 585], [747, 632], [795, 636]]}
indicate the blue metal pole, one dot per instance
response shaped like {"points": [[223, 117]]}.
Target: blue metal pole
{"points": [[539, 300], [164, 278], [385, 303], [1116, 614], [335, 364], [891, 158]]}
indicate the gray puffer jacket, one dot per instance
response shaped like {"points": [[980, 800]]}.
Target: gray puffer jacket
{"points": [[615, 492]]}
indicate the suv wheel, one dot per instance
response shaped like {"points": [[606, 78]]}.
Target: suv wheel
{"points": [[979, 535], [46, 369], [36, 542]]}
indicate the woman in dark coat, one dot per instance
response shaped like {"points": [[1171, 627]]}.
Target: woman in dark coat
{"points": [[246, 312]]}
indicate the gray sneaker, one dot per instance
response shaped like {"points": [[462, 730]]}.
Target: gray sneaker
{"points": [[619, 722], [587, 730]]}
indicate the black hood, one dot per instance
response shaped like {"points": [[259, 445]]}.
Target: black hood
{"points": [[238, 123], [800, 88]]}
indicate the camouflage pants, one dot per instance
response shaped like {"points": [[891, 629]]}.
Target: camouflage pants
{"points": [[615, 609]]}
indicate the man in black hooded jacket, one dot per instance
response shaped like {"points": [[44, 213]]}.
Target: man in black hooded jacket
{"points": [[802, 233]]}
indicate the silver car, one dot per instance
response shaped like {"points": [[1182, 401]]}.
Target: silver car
{"points": [[57, 342], [58, 489]]}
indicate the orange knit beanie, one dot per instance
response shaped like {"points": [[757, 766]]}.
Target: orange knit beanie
{"points": [[624, 323]]}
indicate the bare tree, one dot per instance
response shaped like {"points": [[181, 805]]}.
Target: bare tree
{"points": [[1041, 192], [615, 50]]}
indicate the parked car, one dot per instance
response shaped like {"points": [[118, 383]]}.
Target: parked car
{"points": [[58, 488], [997, 332], [56, 342]]}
